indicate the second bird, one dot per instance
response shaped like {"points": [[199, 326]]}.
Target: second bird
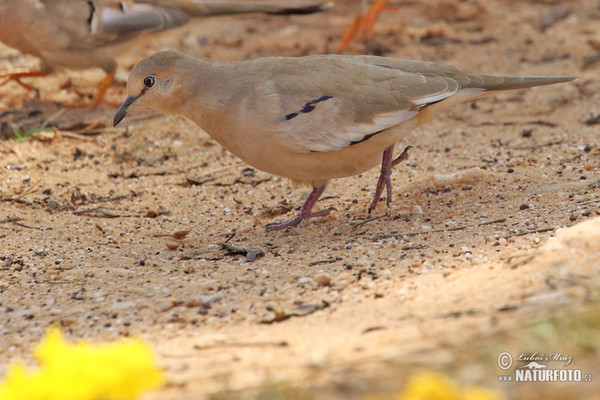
{"points": [[83, 34]]}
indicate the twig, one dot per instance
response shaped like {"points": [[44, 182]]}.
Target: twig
{"points": [[97, 212], [541, 230], [300, 311], [71, 135], [511, 123], [454, 228], [53, 117], [240, 344], [32, 189], [588, 202], [15, 220], [10, 219], [137, 174], [27, 226], [329, 261], [29, 113], [95, 124], [366, 221]]}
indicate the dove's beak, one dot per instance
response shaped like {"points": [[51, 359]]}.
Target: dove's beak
{"points": [[125, 107]]}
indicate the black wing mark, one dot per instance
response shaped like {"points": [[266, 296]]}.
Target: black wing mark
{"points": [[308, 107]]}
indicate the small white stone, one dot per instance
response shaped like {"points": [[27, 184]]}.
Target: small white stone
{"points": [[417, 210]]}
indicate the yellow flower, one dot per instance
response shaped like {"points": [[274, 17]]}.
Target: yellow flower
{"points": [[429, 385], [122, 370]]}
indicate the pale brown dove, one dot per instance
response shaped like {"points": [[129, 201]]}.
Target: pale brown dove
{"points": [[310, 119], [82, 34]]}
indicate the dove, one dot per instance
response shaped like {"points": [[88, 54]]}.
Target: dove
{"points": [[310, 119]]}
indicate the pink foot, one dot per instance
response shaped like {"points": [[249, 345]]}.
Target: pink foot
{"points": [[305, 213], [384, 177]]}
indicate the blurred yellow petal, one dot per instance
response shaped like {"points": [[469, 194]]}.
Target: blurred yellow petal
{"points": [[122, 370], [429, 385]]}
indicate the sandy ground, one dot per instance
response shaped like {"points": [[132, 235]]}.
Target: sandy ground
{"points": [[118, 232]]}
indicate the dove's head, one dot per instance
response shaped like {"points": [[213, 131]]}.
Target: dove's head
{"points": [[156, 82]]}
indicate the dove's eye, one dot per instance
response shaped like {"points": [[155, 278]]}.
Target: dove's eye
{"points": [[149, 81]]}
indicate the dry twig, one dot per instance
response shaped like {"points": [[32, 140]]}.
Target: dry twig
{"points": [[32, 189]]}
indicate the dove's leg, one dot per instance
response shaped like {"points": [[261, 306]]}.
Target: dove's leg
{"points": [[384, 177], [99, 96], [305, 213], [362, 26], [16, 76]]}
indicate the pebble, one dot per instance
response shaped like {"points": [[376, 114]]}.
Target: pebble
{"points": [[323, 280], [209, 299], [417, 209], [573, 217], [172, 245]]}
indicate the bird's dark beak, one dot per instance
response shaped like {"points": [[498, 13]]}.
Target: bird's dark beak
{"points": [[122, 111]]}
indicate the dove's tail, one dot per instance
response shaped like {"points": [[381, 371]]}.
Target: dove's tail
{"points": [[492, 83]]}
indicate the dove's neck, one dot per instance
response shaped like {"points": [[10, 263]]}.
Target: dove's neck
{"points": [[211, 92]]}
